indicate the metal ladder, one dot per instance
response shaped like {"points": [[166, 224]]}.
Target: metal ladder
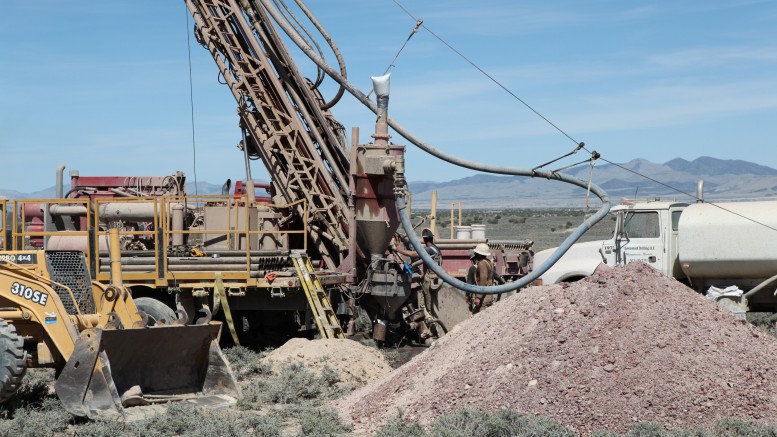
{"points": [[321, 308]]}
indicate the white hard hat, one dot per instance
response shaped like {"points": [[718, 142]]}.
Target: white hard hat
{"points": [[482, 249]]}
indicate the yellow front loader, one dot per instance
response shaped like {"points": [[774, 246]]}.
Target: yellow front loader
{"points": [[106, 358]]}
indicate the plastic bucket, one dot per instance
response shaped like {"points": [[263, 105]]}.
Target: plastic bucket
{"points": [[478, 232]]}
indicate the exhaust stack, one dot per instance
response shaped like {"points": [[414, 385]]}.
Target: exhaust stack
{"points": [[380, 85], [700, 191]]}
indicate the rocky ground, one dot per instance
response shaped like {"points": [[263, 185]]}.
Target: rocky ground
{"points": [[624, 346]]}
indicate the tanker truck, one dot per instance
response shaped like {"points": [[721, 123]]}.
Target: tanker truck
{"points": [[710, 247]]}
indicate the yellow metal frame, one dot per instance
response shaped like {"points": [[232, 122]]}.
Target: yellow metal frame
{"points": [[3, 217], [20, 218], [453, 205], [30, 315], [162, 214]]}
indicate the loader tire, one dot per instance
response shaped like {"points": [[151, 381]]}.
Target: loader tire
{"points": [[13, 360], [156, 310]]}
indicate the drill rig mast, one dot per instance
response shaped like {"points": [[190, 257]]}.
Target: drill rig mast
{"points": [[281, 115]]}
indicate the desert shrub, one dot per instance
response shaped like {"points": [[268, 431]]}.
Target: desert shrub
{"points": [[392, 356], [252, 395], [108, 429], [510, 422], [291, 383], [189, 420], [322, 422], [363, 321], [369, 342], [764, 321], [724, 428], [179, 419], [469, 422], [689, 433], [647, 429], [263, 425], [396, 426], [246, 363], [493, 221], [45, 418], [389, 353], [32, 393], [741, 428]]}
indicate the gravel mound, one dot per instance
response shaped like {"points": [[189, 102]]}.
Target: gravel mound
{"points": [[625, 345], [355, 363]]}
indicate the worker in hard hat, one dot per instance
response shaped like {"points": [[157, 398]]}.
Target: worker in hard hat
{"points": [[429, 280], [482, 272]]}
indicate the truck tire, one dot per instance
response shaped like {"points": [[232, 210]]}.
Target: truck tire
{"points": [[155, 309], [13, 360]]}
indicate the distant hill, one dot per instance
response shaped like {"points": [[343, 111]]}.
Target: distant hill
{"points": [[706, 166], [638, 178], [42, 194]]}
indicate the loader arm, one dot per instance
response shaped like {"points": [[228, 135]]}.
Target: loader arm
{"points": [[30, 305], [108, 359]]}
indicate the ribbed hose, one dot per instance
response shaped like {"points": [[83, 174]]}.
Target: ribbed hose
{"points": [[508, 286], [332, 46], [405, 218]]}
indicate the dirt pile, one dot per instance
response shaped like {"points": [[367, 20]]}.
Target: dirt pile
{"points": [[355, 363], [626, 345]]}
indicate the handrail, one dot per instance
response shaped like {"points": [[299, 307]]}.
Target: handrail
{"points": [[3, 224], [153, 216], [19, 232]]}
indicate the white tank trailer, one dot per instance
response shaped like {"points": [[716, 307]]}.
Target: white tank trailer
{"points": [[724, 244], [728, 243]]}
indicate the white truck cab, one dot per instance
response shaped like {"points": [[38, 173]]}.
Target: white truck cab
{"points": [[645, 231], [704, 245]]}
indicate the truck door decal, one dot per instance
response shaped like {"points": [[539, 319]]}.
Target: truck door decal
{"points": [[642, 232]]}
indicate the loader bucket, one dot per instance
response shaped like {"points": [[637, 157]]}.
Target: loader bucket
{"points": [[111, 369]]}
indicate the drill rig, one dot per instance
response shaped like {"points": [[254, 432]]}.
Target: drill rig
{"points": [[314, 250], [352, 215]]}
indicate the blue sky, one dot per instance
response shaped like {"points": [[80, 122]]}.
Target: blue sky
{"points": [[104, 86]]}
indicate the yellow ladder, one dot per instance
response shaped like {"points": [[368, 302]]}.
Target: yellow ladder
{"points": [[323, 314]]}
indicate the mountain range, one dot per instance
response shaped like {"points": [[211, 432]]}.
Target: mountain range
{"points": [[639, 178]]}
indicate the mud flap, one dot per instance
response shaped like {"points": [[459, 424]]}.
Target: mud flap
{"points": [[450, 306], [111, 369]]}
